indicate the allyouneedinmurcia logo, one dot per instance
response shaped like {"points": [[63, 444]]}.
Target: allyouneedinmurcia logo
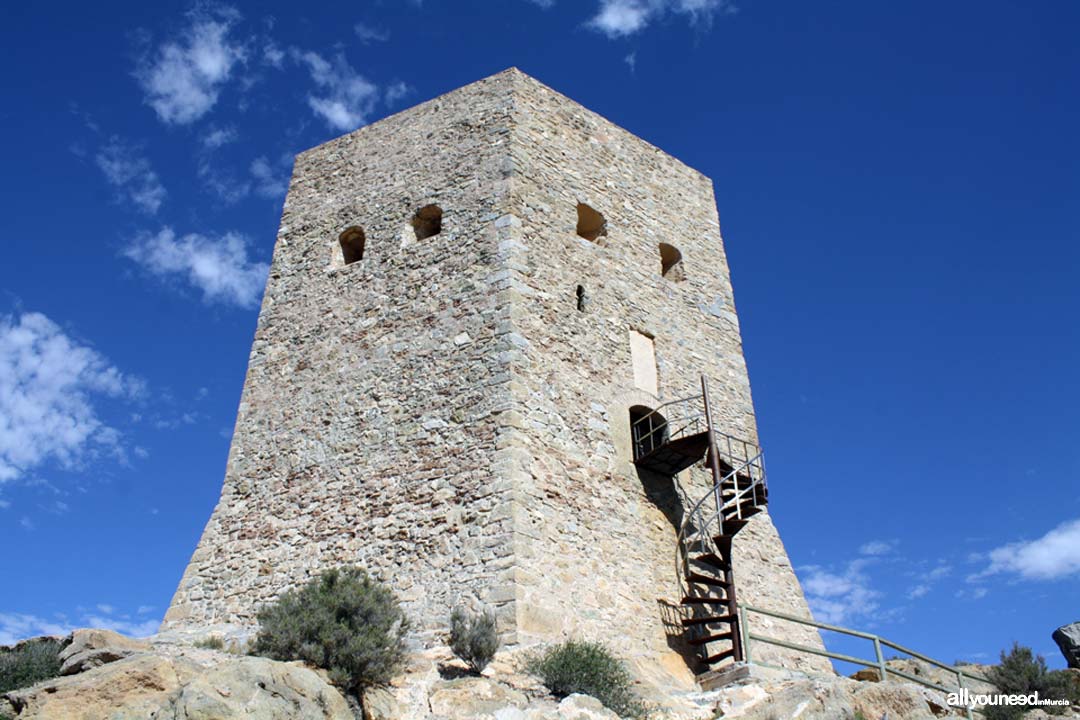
{"points": [[965, 698]]}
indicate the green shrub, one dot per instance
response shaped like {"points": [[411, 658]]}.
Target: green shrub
{"points": [[343, 622], [589, 668], [1021, 672], [211, 643], [29, 662], [473, 638]]}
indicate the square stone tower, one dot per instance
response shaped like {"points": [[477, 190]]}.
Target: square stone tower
{"points": [[468, 302]]}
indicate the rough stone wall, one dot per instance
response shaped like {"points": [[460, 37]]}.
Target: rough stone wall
{"points": [[443, 414], [369, 415], [595, 539]]}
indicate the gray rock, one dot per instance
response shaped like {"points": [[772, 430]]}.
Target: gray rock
{"points": [[93, 648], [184, 684], [1067, 638]]}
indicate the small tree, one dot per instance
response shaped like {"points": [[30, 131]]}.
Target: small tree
{"points": [[473, 638], [29, 662], [343, 622], [589, 668], [1022, 672]]}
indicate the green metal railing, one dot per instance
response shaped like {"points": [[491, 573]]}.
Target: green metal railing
{"points": [[878, 662]]}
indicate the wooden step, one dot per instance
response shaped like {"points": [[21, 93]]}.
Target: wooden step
{"points": [[705, 639], [707, 620], [691, 600], [706, 579], [720, 656]]}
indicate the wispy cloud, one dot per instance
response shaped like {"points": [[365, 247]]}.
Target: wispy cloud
{"points": [[1054, 555], [345, 98], [125, 167], [839, 597], [15, 627], [622, 18], [49, 384], [220, 267], [183, 78], [218, 137], [269, 181], [877, 547], [368, 34], [396, 91]]}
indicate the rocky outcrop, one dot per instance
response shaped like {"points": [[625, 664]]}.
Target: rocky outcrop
{"points": [[178, 683], [93, 648], [1067, 638], [114, 678]]}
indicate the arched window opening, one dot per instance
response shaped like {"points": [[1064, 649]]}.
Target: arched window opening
{"points": [[427, 222], [582, 298], [671, 264], [591, 225], [648, 430], [352, 244]]}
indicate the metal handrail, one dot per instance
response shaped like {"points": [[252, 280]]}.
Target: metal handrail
{"points": [[878, 662], [705, 521]]}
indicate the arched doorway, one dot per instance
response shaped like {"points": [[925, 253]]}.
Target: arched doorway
{"points": [[648, 430]]}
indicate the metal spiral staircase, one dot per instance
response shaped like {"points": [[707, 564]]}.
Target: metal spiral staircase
{"points": [[667, 440]]}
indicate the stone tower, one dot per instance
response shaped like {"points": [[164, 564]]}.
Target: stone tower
{"points": [[467, 302]]}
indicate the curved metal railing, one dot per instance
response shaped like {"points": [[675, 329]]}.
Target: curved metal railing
{"points": [[670, 421], [745, 488]]}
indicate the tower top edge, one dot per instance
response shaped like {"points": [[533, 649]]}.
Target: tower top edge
{"points": [[514, 82]]}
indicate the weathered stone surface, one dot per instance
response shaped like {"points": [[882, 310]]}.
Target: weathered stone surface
{"points": [[469, 698], [90, 648], [441, 412], [1067, 638], [380, 704], [183, 684], [831, 699]]}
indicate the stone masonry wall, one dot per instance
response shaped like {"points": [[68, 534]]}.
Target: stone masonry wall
{"points": [[368, 420], [440, 411], [595, 540]]}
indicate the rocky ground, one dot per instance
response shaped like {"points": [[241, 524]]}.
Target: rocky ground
{"points": [[106, 676]]}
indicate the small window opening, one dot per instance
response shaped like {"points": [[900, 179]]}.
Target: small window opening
{"points": [[591, 225], [427, 221], [582, 298], [352, 244], [671, 265]]}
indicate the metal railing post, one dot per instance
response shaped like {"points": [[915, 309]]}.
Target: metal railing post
{"points": [[882, 670], [744, 631]]}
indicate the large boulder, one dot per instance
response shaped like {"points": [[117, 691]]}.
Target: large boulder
{"points": [[184, 684], [93, 648], [1067, 638]]}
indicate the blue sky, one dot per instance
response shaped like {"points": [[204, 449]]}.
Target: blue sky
{"points": [[897, 186]]}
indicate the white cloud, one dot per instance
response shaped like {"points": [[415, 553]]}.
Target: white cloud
{"points": [[15, 627], [273, 55], [622, 18], [346, 98], [184, 78], [631, 60], [48, 385], [397, 91], [222, 182], [918, 591], [877, 547], [368, 34], [1055, 555], [129, 171], [218, 137], [268, 181], [837, 598], [218, 266]]}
